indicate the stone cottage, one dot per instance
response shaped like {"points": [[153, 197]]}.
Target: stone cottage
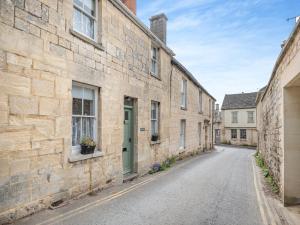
{"points": [[239, 119], [74, 69], [278, 118]]}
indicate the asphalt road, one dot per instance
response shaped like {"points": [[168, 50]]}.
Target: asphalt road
{"points": [[215, 188]]}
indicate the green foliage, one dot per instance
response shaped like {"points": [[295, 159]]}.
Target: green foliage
{"points": [[266, 172]]}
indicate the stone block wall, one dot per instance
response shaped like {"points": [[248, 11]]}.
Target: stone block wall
{"points": [[40, 57]]}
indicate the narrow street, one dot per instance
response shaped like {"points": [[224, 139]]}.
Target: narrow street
{"points": [[214, 188]]}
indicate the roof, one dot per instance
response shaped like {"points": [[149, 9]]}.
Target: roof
{"points": [[240, 101], [190, 76]]}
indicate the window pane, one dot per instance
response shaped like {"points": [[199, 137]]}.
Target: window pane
{"points": [[77, 92], [88, 24], [88, 127], [89, 7], [88, 107], [153, 111], [77, 106], [153, 127], [153, 67], [76, 131], [77, 22], [78, 3]]}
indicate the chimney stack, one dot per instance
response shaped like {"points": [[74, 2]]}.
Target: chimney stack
{"points": [[131, 4], [158, 26]]}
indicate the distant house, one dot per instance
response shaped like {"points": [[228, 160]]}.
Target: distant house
{"points": [[239, 119]]}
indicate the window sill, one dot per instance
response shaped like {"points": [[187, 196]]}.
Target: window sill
{"points": [[155, 142], [155, 76], [87, 40], [75, 157]]}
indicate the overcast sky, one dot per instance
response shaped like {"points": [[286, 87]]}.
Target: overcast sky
{"points": [[229, 45]]}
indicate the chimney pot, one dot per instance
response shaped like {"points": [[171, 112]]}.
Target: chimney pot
{"points": [[158, 25], [131, 4]]}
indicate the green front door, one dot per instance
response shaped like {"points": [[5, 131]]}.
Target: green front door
{"points": [[128, 141]]}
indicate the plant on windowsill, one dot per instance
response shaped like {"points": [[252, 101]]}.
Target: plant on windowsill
{"points": [[88, 146], [154, 137]]}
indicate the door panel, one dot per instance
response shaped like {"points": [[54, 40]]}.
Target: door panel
{"points": [[128, 141]]}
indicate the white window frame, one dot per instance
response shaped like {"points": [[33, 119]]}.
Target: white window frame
{"points": [[236, 135], [200, 133], [76, 149], [183, 94], [250, 116], [200, 101], [234, 117], [155, 60], [182, 141], [156, 128], [95, 19], [243, 138]]}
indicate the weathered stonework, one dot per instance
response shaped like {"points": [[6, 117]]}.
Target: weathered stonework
{"points": [[278, 121], [40, 57]]}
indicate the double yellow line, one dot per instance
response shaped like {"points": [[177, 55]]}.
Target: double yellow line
{"points": [[88, 206]]}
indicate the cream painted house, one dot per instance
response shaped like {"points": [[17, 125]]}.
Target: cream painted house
{"points": [[278, 117], [70, 69], [239, 119]]}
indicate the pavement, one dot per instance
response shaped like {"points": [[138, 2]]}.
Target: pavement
{"points": [[214, 189]]}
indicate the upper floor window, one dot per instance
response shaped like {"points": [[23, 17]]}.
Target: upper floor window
{"points": [[250, 117], [234, 116], [200, 101], [84, 18], [84, 113], [154, 118], [154, 61], [183, 93]]}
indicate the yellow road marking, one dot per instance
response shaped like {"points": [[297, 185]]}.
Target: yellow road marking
{"points": [[95, 203]]}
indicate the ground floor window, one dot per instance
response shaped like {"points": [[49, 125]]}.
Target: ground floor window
{"points": [[200, 132], [233, 133], [243, 134], [84, 111], [154, 118], [182, 133]]}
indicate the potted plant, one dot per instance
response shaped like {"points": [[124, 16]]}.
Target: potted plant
{"points": [[154, 137], [88, 146]]}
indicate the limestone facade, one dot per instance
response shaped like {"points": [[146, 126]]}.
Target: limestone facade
{"points": [[41, 59], [278, 120]]}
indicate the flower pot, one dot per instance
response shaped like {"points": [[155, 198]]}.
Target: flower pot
{"points": [[86, 149], [154, 137]]}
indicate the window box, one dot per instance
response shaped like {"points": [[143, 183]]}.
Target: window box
{"points": [[154, 138], [76, 156]]}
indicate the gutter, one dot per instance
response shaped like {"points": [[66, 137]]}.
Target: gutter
{"points": [[281, 55], [123, 9]]}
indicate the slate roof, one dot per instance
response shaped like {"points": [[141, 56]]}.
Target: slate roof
{"points": [[240, 101]]}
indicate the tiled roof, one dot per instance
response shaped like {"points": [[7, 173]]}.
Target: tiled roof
{"points": [[240, 101]]}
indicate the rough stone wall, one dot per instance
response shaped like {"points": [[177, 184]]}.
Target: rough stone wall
{"points": [[270, 118], [39, 59]]}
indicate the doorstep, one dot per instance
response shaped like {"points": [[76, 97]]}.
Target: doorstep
{"points": [[129, 177]]}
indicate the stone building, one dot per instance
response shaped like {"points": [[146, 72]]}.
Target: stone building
{"points": [[239, 119], [278, 118], [217, 124], [70, 69]]}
